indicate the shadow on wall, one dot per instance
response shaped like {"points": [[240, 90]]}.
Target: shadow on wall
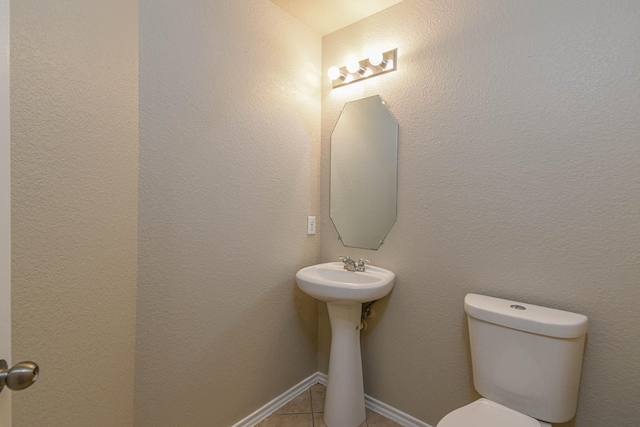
{"points": [[304, 304], [215, 385], [376, 313]]}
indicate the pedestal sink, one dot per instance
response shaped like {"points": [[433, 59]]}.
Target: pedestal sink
{"points": [[344, 292]]}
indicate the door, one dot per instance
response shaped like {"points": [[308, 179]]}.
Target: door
{"points": [[5, 211]]}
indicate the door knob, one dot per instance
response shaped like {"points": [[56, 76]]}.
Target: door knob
{"points": [[19, 377]]}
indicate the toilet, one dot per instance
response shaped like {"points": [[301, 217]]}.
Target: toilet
{"points": [[527, 362]]}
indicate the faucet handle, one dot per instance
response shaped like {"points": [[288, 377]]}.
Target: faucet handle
{"points": [[344, 259], [360, 265]]}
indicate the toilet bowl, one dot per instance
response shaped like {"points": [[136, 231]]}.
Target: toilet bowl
{"points": [[526, 361], [485, 413]]}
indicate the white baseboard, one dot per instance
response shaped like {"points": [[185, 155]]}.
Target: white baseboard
{"points": [[278, 402], [322, 378], [390, 412]]}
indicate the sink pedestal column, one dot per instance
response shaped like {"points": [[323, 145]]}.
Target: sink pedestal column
{"points": [[344, 402]]}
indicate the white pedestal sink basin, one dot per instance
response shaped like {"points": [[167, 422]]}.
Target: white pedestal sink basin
{"points": [[344, 292]]}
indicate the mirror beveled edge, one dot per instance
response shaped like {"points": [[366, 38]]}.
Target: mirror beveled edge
{"points": [[364, 173]]}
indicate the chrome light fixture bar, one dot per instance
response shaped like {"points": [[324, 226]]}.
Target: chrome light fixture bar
{"points": [[378, 63]]}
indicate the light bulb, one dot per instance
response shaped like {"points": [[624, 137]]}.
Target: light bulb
{"points": [[376, 58], [333, 72], [353, 66]]}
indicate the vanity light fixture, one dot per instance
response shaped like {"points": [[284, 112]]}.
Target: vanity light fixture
{"points": [[355, 67], [378, 63], [377, 60], [334, 73]]}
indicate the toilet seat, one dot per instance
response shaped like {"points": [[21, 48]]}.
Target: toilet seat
{"points": [[485, 413]]}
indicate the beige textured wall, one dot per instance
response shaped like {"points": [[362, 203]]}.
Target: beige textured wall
{"points": [[74, 124], [518, 177], [5, 208], [229, 163]]}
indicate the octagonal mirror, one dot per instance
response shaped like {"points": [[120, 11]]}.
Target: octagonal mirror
{"points": [[364, 173]]}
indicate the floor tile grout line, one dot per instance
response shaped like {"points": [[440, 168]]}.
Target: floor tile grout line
{"points": [[313, 412]]}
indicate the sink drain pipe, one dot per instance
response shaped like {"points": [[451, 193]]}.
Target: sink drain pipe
{"points": [[366, 312]]}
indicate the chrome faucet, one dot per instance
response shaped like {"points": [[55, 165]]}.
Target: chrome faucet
{"points": [[349, 264], [352, 265]]}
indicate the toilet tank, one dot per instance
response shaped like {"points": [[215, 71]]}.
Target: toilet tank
{"points": [[526, 357]]}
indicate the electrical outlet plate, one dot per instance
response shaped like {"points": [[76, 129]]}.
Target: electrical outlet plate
{"points": [[311, 225]]}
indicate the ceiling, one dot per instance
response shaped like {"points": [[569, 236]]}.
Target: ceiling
{"points": [[327, 16]]}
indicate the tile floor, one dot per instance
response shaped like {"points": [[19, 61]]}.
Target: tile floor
{"points": [[307, 410]]}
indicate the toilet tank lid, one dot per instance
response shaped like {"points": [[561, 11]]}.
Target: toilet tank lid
{"points": [[526, 317]]}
